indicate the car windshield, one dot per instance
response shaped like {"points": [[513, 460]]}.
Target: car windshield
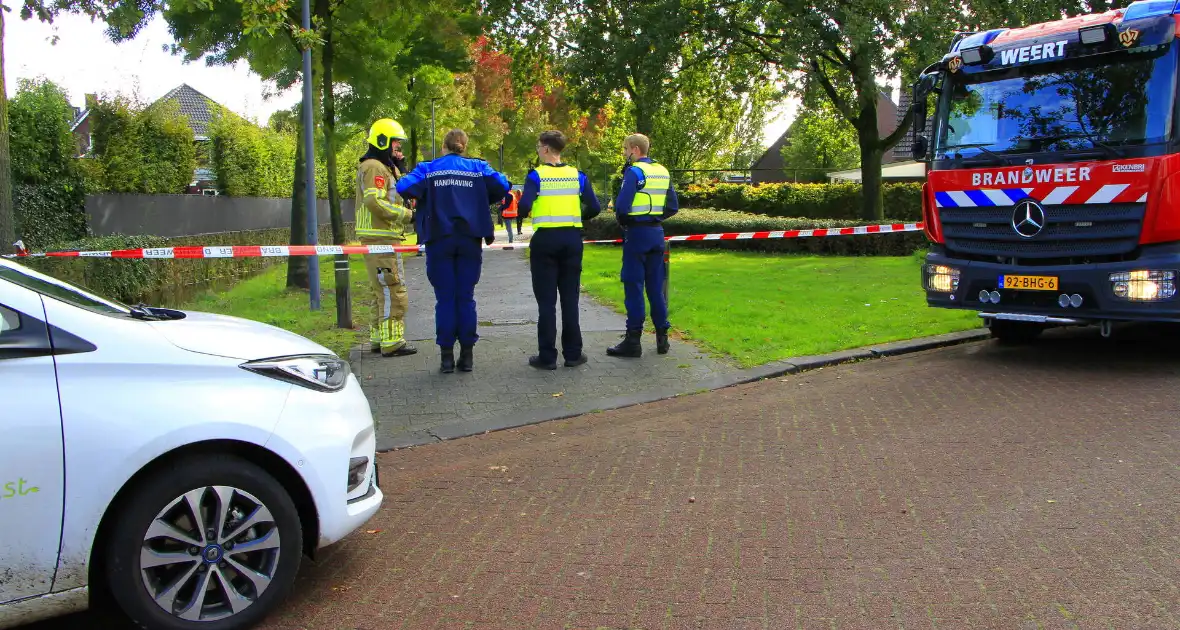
{"points": [[54, 288], [1076, 107]]}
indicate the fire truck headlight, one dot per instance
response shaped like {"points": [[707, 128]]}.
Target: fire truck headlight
{"points": [[1144, 285], [941, 278]]}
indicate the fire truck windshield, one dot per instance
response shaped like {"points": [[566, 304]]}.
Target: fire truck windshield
{"points": [[1071, 107]]}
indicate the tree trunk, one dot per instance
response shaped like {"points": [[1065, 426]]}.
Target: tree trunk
{"points": [[872, 201], [297, 269], [7, 218], [644, 122], [413, 154], [343, 297]]}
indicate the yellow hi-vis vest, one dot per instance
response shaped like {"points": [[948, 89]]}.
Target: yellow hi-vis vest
{"points": [[649, 200], [559, 202]]}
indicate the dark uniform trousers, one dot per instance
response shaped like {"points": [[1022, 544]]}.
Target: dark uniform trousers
{"points": [[643, 268], [453, 266], [555, 259]]}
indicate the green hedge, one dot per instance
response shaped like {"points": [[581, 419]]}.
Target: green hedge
{"points": [[48, 213], [163, 282], [709, 221], [903, 202]]}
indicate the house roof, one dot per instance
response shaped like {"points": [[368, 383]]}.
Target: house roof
{"points": [[196, 106]]}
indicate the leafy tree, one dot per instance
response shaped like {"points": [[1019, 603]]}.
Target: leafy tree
{"points": [[820, 138], [48, 187], [42, 146], [142, 149]]}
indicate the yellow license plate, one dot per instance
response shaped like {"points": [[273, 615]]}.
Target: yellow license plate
{"points": [[1029, 283]]}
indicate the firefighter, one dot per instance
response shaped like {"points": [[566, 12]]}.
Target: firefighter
{"points": [[454, 193], [645, 200], [381, 219], [558, 198]]}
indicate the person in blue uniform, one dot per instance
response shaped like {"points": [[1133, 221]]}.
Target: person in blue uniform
{"points": [[453, 221], [557, 198], [645, 200]]}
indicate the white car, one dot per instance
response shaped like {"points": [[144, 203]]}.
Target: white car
{"points": [[181, 463]]}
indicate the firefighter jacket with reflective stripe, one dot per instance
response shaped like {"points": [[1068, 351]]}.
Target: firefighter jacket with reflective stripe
{"points": [[380, 215]]}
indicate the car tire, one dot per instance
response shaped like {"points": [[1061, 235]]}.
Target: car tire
{"points": [[247, 567], [1011, 332]]}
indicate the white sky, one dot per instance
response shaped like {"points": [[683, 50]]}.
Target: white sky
{"points": [[84, 61]]}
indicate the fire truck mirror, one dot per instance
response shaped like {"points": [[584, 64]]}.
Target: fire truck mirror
{"points": [[920, 147]]}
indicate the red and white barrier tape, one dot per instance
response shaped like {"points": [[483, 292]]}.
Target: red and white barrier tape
{"points": [[283, 251]]}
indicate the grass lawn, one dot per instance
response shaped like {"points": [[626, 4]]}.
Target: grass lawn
{"points": [[759, 307]]}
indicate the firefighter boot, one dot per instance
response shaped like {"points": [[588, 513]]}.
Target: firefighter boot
{"points": [[466, 361], [630, 346], [662, 345], [448, 360]]}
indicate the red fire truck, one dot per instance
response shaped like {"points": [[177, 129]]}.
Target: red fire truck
{"points": [[1053, 188]]}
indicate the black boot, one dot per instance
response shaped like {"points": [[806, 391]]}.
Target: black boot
{"points": [[466, 361], [630, 346], [662, 344], [448, 360], [405, 350]]}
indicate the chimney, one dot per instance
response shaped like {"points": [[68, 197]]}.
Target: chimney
{"points": [[91, 101]]}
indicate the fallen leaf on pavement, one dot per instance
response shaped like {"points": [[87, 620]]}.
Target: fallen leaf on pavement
{"points": [[559, 394], [373, 531], [1050, 501]]}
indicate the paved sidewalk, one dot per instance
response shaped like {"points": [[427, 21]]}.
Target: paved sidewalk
{"points": [[414, 403]]}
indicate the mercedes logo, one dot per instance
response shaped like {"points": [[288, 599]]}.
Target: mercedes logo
{"points": [[1028, 219]]}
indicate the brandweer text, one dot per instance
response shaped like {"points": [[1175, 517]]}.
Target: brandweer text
{"points": [[1041, 176]]}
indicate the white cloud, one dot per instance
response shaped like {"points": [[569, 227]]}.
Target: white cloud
{"points": [[84, 61]]}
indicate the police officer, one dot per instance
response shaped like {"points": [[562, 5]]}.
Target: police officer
{"points": [[382, 220], [558, 198], [645, 200], [454, 193]]}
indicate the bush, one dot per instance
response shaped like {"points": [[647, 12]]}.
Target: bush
{"points": [[709, 221], [48, 214], [168, 282], [903, 202], [141, 150]]}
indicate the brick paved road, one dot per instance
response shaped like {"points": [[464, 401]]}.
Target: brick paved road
{"points": [[973, 487]]}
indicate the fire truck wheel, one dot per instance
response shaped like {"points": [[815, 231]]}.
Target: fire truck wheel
{"points": [[1015, 332]]}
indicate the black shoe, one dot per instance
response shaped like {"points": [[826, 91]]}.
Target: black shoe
{"points": [[581, 360], [404, 351], [448, 360], [662, 345], [629, 347], [536, 362], [466, 361]]}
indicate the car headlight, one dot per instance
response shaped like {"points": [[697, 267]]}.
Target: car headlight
{"points": [[320, 372]]}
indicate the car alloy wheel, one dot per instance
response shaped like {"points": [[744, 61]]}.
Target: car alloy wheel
{"points": [[210, 553]]}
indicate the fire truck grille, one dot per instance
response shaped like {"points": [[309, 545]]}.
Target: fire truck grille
{"points": [[1070, 231]]}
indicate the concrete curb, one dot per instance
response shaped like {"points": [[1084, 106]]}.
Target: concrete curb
{"points": [[762, 372]]}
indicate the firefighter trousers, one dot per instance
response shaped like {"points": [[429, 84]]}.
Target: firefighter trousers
{"points": [[387, 325]]}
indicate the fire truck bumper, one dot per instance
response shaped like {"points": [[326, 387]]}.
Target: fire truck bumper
{"points": [[1144, 289]]}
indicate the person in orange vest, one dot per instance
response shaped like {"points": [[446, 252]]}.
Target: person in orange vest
{"points": [[509, 209]]}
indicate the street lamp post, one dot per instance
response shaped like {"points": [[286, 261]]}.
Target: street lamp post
{"points": [[433, 136], [313, 219]]}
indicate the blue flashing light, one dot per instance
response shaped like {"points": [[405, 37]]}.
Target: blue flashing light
{"points": [[1149, 8]]}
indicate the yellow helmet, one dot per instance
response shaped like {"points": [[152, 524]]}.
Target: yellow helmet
{"points": [[383, 131]]}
